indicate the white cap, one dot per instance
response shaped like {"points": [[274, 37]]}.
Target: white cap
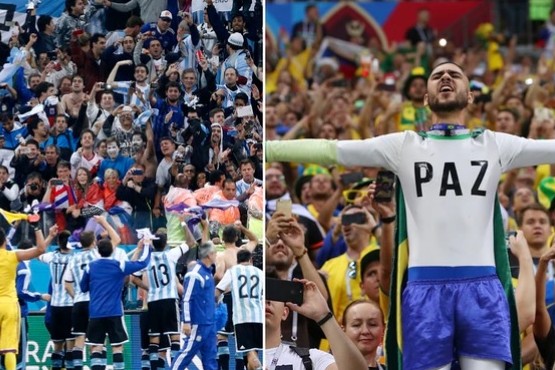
{"points": [[236, 39], [166, 14]]}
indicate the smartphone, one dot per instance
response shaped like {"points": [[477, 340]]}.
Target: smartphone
{"points": [[56, 182], [199, 54], [258, 146], [284, 206], [354, 218], [384, 186], [351, 177], [284, 291], [508, 235]]}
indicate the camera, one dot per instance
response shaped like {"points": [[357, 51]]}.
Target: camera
{"points": [[105, 86], [258, 146], [33, 187]]}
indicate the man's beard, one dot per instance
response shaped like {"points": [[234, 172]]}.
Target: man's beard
{"points": [[460, 102]]}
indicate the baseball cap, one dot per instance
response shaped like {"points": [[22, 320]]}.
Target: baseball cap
{"points": [[236, 39], [166, 14], [371, 256]]}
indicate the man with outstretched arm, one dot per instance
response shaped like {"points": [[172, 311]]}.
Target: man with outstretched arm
{"points": [[450, 218]]}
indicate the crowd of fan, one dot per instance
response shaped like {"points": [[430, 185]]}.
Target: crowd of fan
{"points": [[125, 112], [313, 98]]}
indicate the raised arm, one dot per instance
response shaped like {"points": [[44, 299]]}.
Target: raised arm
{"points": [[346, 354], [253, 240], [28, 254], [112, 234], [291, 233], [122, 7], [542, 322], [526, 289]]}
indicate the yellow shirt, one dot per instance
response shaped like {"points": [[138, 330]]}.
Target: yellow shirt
{"points": [[342, 288], [8, 268]]}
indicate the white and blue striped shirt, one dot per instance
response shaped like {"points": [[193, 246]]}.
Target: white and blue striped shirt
{"points": [[58, 265], [75, 272], [246, 285], [161, 273]]}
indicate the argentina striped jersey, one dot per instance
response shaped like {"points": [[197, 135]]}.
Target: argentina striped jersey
{"points": [[161, 273], [245, 283], [58, 265], [75, 272]]}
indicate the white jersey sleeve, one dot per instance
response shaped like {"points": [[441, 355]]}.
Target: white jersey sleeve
{"points": [[47, 257], [175, 253], [516, 152], [382, 151]]}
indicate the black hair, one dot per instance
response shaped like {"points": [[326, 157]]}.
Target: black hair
{"points": [[215, 176], [25, 244], [94, 38], [105, 248], [160, 243], [43, 21], [86, 239], [244, 255], [42, 88], [229, 234], [63, 237]]}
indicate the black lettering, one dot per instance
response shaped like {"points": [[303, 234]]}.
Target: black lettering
{"points": [[476, 187], [423, 172], [450, 172]]}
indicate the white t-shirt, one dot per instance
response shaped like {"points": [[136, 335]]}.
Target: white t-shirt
{"points": [[283, 358], [449, 187]]}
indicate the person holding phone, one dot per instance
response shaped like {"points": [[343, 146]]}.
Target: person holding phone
{"points": [[279, 354], [287, 254], [449, 228], [343, 272]]}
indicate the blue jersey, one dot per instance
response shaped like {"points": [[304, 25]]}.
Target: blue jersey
{"points": [[161, 273], [22, 282], [104, 279], [199, 303], [76, 270], [58, 265], [167, 39]]}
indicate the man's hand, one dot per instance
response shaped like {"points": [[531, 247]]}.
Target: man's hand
{"points": [[519, 245], [53, 231], [45, 297], [278, 223], [314, 305], [186, 329], [293, 237], [549, 255], [100, 219]]}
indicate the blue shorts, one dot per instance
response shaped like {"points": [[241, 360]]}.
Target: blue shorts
{"points": [[447, 318]]}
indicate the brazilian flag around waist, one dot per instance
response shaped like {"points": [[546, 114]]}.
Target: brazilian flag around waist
{"points": [[394, 339]]}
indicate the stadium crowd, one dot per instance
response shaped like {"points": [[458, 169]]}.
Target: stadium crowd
{"points": [[136, 123], [348, 235]]}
